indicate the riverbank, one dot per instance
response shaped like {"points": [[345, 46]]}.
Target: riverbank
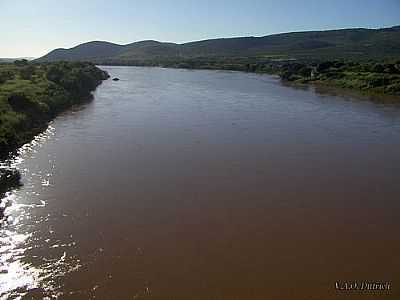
{"points": [[33, 94], [9, 179], [168, 163], [368, 78]]}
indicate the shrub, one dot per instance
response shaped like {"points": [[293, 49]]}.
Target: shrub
{"points": [[54, 73], [21, 62], [375, 80], [20, 102], [378, 68], [305, 71], [390, 69], [27, 72], [6, 75], [322, 67]]}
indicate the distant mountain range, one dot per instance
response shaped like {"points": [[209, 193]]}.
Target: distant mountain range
{"points": [[14, 59], [356, 44]]}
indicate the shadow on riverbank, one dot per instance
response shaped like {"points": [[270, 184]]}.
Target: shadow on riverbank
{"points": [[10, 179]]}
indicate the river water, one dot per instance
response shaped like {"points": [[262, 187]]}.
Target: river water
{"points": [[179, 184]]}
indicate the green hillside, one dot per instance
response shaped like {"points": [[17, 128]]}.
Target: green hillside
{"points": [[353, 44]]}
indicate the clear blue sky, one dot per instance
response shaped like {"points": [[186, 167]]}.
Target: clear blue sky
{"points": [[34, 27]]}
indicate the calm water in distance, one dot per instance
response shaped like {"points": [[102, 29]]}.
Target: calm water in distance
{"points": [[179, 184]]}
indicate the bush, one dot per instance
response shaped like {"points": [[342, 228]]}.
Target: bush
{"points": [[287, 75], [78, 78], [393, 89], [334, 75], [55, 73], [6, 75], [390, 69], [322, 67], [27, 72], [305, 71], [21, 62], [378, 68], [20, 102], [338, 64], [397, 66], [56, 98], [375, 80]]}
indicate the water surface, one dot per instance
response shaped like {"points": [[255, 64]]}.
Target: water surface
{"points": [[178, 184]]}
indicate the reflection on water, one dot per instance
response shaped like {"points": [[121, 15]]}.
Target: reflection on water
{"points": [[178, 184], [19, 275], [15, 275]]}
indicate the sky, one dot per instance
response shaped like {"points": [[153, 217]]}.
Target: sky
{"points": [[31, 28]]}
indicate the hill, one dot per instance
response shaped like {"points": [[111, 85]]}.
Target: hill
{"points": [[90, 51], [354, 44]]}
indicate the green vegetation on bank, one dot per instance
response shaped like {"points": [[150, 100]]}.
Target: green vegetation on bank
{"points": [[32, 94], [357, 58], [355, 44], [372, 78]]}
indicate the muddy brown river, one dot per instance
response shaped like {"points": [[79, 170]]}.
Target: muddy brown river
{"points": [[207, 185]]}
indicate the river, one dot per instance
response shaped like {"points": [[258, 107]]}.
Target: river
{"points": [[180, 184]]}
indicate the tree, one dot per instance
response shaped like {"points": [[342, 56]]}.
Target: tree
{"points": [[55, 74], [21, 62]]}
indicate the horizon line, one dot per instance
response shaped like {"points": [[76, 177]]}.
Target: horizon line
{"points": [[205, 39]]}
